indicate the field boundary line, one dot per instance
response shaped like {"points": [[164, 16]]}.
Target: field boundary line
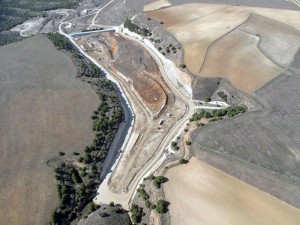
{"points": [[214, 42]]}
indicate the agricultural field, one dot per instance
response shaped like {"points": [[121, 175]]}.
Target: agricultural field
{"points": [[268, 36], [157, 5], [266, 141], [209, 196], [243, 65], [44, 110]]}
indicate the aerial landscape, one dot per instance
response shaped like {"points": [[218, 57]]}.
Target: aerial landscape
{"points": [[157, 112]]}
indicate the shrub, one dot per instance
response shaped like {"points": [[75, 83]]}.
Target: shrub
{"points": [[159, 180], [222, 95], [162, 206], [136, 213], [183, 161], [103, 214], [111, 204], [207, 99], [188, 143]]}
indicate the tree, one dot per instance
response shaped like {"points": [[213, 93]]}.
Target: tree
{"points": [[111, 204], [162, 206], [188, 143], [207, 99], [183, 161], [55, 217]]}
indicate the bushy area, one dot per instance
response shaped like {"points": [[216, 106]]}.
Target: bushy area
{"points": [[161, 206], [7, 37], [13, 12], [135, 28], [85, 67], [218, 114], [77, 181]]}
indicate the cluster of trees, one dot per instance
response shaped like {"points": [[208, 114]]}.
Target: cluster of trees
{"points": [[135, 28], [157, 41], [61, 42], [157, 181], [217, 114], [222, 95], [174, 146], [77, 185], [137, 213], [71, 192], [161, 206], [85, 67], [14, 12], [7, 37]]}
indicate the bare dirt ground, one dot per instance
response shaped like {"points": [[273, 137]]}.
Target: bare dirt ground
{"points": [[201, 30], [134, 63], [44, 110], [206, 195], [147, 134]]}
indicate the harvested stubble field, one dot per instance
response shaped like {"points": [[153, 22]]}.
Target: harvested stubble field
{"points": [[134, 63], [243, 64], [263, 146], [44, 110], [202, 34], [209, 196], [157, 5]]}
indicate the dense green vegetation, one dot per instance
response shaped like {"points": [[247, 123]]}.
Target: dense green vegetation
{"points": [[137, 213], [86, 68], [161, 206], [218, 114], [7, 37], [135, 28], [77, 180], [14, 12]]}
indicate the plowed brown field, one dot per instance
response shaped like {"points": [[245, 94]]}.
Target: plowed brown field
{"points": [[203, 28], [201, 194], [43, 110]]}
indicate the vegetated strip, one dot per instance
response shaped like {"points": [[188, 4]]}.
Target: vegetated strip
{"points": [[78, 179], [161, 207]]}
